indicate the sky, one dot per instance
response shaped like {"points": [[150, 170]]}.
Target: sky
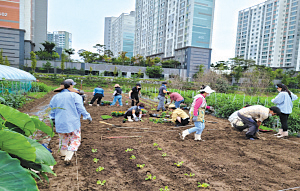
{"points": [[85, 20]]}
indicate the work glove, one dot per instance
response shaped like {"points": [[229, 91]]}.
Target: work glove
{"points": [[90, 119], [136, 119], [195, 118], [212, 109]]}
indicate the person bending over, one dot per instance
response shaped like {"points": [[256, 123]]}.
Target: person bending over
{"points": [[178, 116], [98, 94], [132, 113], [176, 97], [134, 94]]}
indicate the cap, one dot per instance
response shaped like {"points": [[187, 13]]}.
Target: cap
{"points": [[208, 90], [138, 84], [171, 106], [71, 81], [164, 83]]}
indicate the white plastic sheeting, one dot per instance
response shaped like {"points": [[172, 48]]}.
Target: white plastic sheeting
{"points": [[10, 73]]}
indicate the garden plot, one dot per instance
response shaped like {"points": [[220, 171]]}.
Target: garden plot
{"points": [[224, 161]]}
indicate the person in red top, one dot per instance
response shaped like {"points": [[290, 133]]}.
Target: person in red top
{"points": [[174, 96]]}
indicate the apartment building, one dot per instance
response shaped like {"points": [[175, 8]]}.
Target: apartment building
{"points": [[268, 33], [175, 29], [62, 39], [119, 34]]}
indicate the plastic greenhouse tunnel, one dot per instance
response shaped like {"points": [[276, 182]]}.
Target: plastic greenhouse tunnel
{"points": [[14, 80]]}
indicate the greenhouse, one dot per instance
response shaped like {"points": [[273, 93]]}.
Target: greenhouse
{"points": [[15, 80]]}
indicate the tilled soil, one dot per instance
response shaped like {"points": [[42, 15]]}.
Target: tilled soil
{"points": [[225, 160]]}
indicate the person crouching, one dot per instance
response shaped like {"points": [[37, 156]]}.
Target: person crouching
{"points": [[178, 116], [131, 113]]}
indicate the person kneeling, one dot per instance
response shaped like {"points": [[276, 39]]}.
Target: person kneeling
{"points": [[131, 113], [178, 116]]}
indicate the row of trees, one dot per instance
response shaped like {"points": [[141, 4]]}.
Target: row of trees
{"points": [[3, 61]]}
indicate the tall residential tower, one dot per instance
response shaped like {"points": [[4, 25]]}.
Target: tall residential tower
{"points": [[269, 34], [62, 39]]}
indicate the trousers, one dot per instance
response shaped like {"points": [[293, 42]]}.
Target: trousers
{"points": [[161, 104], [97, 96], [253, 127], [199, 127], [70, 141], [284, 121]]}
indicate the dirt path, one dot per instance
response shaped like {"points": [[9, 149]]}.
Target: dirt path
{"points": [[225, 160]]}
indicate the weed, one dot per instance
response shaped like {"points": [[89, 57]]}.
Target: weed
{"points": [[191, 175], [140, 166], [149, 177], [100, 168], [132, 157], [128, 150], [155, 144], [159, 148], [95, 160], [166, 189], [179, 164], [101, 183], [204, 185], [164, 155], [94, 150]]}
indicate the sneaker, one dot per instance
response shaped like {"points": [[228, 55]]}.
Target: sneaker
{"points": [[98, 105], [90, 104]]}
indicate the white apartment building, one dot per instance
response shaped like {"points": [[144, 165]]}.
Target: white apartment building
{"points": [[175, 29], [119, 34], [62, 39], [269, 34]]}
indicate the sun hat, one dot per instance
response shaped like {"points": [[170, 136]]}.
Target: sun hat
{"points": [[71, 81], [207, 89], [172, 106], [117, 86]]}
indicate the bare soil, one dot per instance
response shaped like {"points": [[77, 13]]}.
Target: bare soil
{"points": [[225, 160]]}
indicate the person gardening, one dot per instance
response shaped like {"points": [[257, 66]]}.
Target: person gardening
{"points": [[178, 116], [98, 95], [134, 94], [176, 97], [67, 108], [117, 95], [253, 116], [161, 97], [80, 92], [284, 101], [131, 113], [237, 122], [197, 113]]}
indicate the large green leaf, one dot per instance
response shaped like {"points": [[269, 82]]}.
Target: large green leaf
{"points": [[17, 118], [42, 126], [16, 144], [13, 176], [36, 166], [42, 154]]}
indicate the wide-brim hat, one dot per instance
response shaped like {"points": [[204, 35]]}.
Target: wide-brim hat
{"points": [[117, 86], [207, 89], [172, 106]]}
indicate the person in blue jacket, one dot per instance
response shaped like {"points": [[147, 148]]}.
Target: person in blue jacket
{"points": [[98, 94], [284, 101], [67, 108]]}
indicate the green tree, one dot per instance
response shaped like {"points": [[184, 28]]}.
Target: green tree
{"points": [[6, 62], [48, 46], [154, 71], [33, 61], [62, 62], [100, 48], [1, 57], [123, 58], [279, 73], [70, 52], [237, 73], [47, 66], [89, 57], [133, 60], [156, 60], [91, 70], [200, 71], [140, 73], [55, 55], [108, 53], [115, 72]]}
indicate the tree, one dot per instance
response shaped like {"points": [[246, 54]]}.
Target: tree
{"points": [[123, 58], [133, 60], [156, 60], [91, 70], [154, 71], [47, 52], [62, 62], [170, 64], [1, 57], [115, 72], [6, 62], [237, 73], [278, 73], [140, 73], [108, 53], [47, 66], [200, 71], [89, 57], [100, 48], [48, 46], [33, 60], [55, 55], [256, 81], [70, 52]]}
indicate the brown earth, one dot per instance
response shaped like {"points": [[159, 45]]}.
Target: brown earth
{"points": [[225, 160]]}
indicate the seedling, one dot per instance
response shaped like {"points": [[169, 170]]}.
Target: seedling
{"points": [[94, 150], [166, 189], [153, 109], [149, 177], [132, 157], [101, 183], [191, 175], [95, 160], [179, 164], [128, 150], [159, 148], [155, 144], [100, 168], [140, 166], [164, 155], [204, 185]]}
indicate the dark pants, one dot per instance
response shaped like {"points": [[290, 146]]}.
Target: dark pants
{"points": [[134, 97], [284, 119], [129, 114], [240, 128], [252, 124], [184, 122], [97, 96]]}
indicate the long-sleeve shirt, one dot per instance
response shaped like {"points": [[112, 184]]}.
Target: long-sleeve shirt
{"points": [[99, 91], [257, 112], [199, 102], [284, 102], [67, 108], [179, 113], [176, 97]]}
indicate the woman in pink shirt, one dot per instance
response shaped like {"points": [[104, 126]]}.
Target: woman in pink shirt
{"points": [[174, 96], [197, 113]]}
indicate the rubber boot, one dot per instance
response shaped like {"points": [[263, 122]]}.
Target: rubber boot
{"points": [[129, 119], [63, 152], [98, 105], [279, 132], [284, 134], [68, 157], [184, 134], [90, 104], [198, 137]]}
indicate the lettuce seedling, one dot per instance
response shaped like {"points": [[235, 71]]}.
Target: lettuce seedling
{"points": [[166, 189], [159, 148], [128, 150], [95, 160], [140, 166], [101, 183], [132, 157], [204, 185], [100, 168], [155, 144], [94, 150], [164, 155], [189, 174], [149, 177], [179, 164]]}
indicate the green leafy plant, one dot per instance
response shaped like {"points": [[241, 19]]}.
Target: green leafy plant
{"points": [[94, 150], [132, 157], [100, 168], [179, 164], [155, 144], [128, 150], [164, 155], [159, 148], [163, 114], [101, 183], [149, 177], [191, 175], [204, 185], [95, 160], [106, 117], [140, 166], [164, 189]]}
